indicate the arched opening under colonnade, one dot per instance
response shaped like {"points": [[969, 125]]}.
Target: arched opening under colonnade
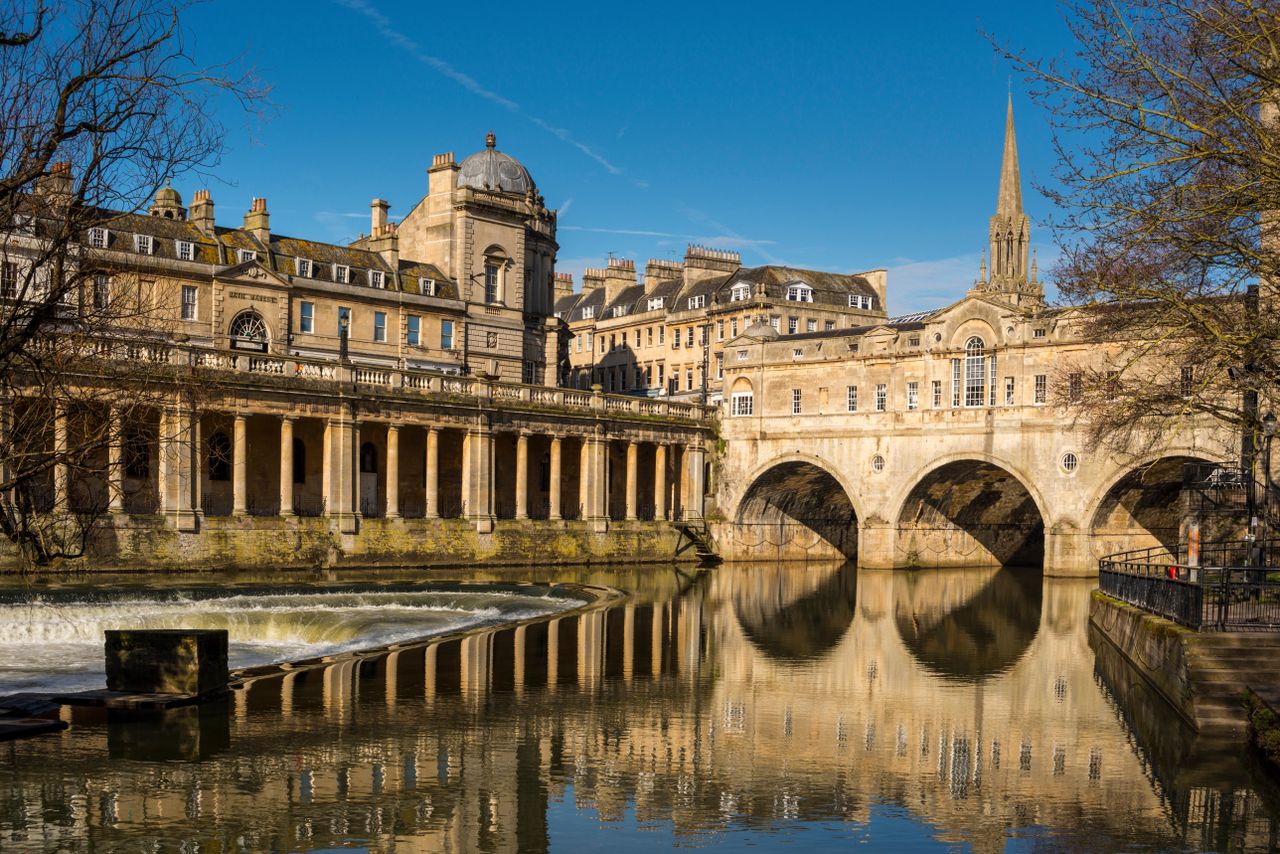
{"points": [[794, 510], [1148, 506], [970, 513]]}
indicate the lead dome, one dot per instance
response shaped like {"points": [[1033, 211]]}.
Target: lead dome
{"points": [[494, 171]]}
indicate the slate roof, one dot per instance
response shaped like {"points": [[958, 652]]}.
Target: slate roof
{"points": [[828, 288]]}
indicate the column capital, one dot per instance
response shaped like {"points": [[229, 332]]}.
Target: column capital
{"points": [[290, 418], [393, 426]]}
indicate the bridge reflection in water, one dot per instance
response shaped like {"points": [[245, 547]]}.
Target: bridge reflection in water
{"points": [[740, 700]]}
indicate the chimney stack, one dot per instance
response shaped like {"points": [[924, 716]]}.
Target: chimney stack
{"points": [[55, 186], [201, 212], [378, 224], [258, 221]]}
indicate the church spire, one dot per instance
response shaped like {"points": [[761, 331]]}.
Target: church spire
{"points": [[1009, 201], [1010, 231]]}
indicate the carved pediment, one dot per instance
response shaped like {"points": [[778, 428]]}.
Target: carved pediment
{"points": [[252, 273]]}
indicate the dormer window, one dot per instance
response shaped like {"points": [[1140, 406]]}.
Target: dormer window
{"points": [[304, 267], [859, 301], [341, 274], [142, 244], [740, 293], [247, 255], [656, 303], [799, 293], [376, 279], [588, 312], [620, 311], [426, 286], [98, 238], [186, 252], [698, 301]]}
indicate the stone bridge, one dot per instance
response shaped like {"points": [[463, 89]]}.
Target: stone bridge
{"points": [[955, 454]]}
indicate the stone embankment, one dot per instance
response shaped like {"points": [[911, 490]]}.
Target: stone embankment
{"points": [[1204, 676]]}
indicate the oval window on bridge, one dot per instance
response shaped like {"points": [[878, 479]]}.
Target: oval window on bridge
{"points": [[877, 463], [1070, 462]]}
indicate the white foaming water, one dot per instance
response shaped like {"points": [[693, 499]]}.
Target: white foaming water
{"points": [[56, 643]]}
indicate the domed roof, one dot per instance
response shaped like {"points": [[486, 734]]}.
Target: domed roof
{"points": [[168, 194], [492, 170]]}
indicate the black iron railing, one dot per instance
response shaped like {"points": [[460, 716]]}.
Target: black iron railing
{"points": [[1230, 586]]}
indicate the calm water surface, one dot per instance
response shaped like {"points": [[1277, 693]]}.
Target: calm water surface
{"points": [[800, 707]]}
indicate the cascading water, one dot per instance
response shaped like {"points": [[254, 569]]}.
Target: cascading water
{"points": [[54, 642]]}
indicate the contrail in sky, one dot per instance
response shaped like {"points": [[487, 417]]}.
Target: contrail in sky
{"points": [[389, 31]]}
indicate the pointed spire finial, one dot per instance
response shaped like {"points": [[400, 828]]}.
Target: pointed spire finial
{"points": [[1009, 201], [1035, 267], [982, 271]]}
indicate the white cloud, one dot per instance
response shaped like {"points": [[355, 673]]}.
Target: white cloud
{"points": [[389, 31], [920, 285], [564, 207]]}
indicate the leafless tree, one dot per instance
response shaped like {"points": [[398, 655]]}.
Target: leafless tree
{"points": [[101, 104], [1168, 146]]}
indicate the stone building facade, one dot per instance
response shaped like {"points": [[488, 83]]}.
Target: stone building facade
{"points": [[944, 437], [346, 402], [664, 334]]}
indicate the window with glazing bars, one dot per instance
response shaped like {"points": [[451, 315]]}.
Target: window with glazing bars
{"points": [[975, 372]]}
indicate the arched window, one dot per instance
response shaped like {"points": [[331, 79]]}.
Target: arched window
{"points": [[218, 451], [742, 398], [248, 332], [368, 459], [975, 372], [299, 461]]}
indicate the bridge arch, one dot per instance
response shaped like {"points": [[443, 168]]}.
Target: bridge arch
{"points": [[969, 509], [1141, 506], [796, 506]]}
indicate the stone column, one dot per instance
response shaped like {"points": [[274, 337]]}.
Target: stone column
{"points": [[554, 496], [341, 481], [433, 473], [286, 465], [178, 451], [480, 478], [522, 476], [584, 479], [162, 460], [326, 467], [393, 471], [354, 484], [660, 482], [466, 475], [632, 467], [595, 489], [115, 462], [695, 461], [61, 473], [240, 468]]}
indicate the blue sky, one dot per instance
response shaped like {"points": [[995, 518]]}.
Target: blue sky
{"points": [[836, 136]]}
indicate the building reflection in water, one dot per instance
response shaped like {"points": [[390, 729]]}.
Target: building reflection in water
{"points": [[742, 698]]}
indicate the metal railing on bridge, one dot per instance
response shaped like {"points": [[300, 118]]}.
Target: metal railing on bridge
{"points": [[1229, 586]]}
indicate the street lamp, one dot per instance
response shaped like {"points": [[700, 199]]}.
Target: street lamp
{"points": [[344, 326]]}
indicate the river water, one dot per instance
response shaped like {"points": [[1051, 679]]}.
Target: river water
{"points": [[807, 707]]}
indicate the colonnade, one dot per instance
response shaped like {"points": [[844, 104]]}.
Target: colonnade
{"points": [[363, 470]]}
